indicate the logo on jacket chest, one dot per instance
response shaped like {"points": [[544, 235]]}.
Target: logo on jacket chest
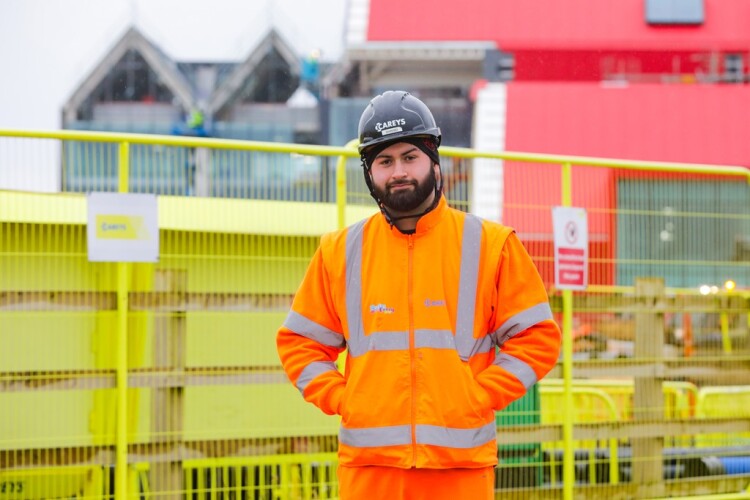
{"points": [[386, 309], [380, 309]]}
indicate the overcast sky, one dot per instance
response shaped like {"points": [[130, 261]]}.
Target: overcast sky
{"points": [[47, 47]]}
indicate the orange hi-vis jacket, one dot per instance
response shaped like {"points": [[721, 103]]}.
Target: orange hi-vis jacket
{"points": [[421, 315]]}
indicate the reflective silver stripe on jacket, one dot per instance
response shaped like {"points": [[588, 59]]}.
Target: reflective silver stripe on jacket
{"points": [[436, 339], [447, 437], [308, 328], [455, 438], [464, 341], [520, 369], [513, 325], [313, 331], [522, 321], [376, 436], [467, 286], [354, 236], [399, 341], [313, 370]]}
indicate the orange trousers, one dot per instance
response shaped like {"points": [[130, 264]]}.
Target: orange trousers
{"points": [[391, 483]]}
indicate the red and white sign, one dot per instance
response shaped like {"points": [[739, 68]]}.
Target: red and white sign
{"points": [[571, 247]]}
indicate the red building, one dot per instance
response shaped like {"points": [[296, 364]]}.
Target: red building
{"points": [[656, 80]]}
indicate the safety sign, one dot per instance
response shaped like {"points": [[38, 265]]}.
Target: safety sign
{"points": [[571, 247], [122, 227]]}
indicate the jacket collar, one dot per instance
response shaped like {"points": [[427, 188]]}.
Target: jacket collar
{"points": [[426, 222]]}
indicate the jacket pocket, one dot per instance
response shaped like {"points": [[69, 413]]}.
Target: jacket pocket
{"points": [[479, 400]]}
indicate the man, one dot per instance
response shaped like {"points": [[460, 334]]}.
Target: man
{"points": [[421, 295]]}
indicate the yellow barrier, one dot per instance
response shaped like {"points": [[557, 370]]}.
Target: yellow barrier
{"points": [[679, 399], [281, 477], [52, 482], [728, 402], [169, 361], [591, 405]]}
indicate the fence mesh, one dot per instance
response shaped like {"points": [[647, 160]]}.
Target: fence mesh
{"points": [[172, 365]]}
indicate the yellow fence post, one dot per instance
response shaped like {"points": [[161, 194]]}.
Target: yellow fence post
{"points": [[567, 331], [726, 341], [341, 186], [123, 269]]}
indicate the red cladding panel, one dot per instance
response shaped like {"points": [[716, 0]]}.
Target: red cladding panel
{"points": [[674, 123], [529, 24], [681, 123]]}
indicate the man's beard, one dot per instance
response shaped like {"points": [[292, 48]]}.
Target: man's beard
{"points": [[406, 200]]}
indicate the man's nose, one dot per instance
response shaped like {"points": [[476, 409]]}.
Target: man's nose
{"points": [[399, 169]]}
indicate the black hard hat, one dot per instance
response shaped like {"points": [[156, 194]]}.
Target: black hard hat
{"points": [[393, 116]]}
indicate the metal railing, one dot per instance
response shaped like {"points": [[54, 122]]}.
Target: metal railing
{"points": [[231, 260]]}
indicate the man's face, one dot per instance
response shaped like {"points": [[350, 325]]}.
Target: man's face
{"points": [[404, 178]]}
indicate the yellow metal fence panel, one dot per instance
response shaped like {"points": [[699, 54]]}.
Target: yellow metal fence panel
{"points": [[155, 379]]}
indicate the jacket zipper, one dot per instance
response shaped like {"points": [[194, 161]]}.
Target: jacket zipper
{"points": [[412, 353]]}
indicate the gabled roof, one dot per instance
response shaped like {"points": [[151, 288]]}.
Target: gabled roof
{"points": [[547, 24], [162, 65], [234, 82]]}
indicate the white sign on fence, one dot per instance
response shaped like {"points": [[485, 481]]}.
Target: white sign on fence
{"points": [[571, 247], [122, 227]]}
